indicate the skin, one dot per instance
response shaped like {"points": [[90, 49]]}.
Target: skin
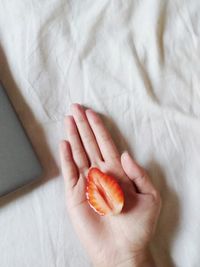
{"points": [[121, 240]]}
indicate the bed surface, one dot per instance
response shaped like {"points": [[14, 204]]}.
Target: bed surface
{"points": [[137, 64]]}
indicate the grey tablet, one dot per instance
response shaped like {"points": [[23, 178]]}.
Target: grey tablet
{"points": [[18, 162]]}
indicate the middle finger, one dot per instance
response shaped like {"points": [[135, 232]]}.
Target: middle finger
{"points": [[86, 134]]}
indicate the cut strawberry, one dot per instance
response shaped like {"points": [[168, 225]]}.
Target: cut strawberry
{"points": [[103, 193]]}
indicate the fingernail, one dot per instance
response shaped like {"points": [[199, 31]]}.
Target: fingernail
{"points": [[75, 105], [68, 119], [62, 145], [127, 155], [89, 110]]}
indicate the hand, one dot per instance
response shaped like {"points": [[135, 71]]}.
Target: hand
{"points": [[120, 240]]}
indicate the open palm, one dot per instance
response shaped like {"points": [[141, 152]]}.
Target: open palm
{"points": [[109, 240]]}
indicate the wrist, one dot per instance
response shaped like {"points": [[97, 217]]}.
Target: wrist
{"points": [[142, 259]]}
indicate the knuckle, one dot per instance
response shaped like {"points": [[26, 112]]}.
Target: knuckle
{"points": [[106, 138], [77, 151], [143, 176], [81, 120], [96, 161], [115, 158], [67, 157], [88, 139], [156, 197], [72, 130], [97, 120], [72, 134]]}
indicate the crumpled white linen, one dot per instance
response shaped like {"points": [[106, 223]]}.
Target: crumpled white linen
{"points": [[135, 62]]}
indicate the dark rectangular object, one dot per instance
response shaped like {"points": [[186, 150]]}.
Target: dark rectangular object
{"points": [[19, 164]]}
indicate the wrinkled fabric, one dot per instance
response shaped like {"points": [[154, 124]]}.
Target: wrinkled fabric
{"points": [[137, 64]]}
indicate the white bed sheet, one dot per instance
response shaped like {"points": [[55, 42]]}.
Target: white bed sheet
{"points": [[137, 63]]}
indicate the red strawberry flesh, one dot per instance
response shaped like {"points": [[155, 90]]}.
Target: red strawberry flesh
{"points": [[103, 192]]}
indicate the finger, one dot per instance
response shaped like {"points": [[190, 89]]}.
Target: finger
{"points": [[68, 166], [137, 174], [103, 137], [86, 134], [78, 151]]}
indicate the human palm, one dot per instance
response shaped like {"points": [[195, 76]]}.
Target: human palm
{"points": [[109, 240]]}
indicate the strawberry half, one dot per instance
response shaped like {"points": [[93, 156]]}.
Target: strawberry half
{"points": [[103, 193]]}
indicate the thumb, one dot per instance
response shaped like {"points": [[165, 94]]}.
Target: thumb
{"points": [[137, 174]]}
